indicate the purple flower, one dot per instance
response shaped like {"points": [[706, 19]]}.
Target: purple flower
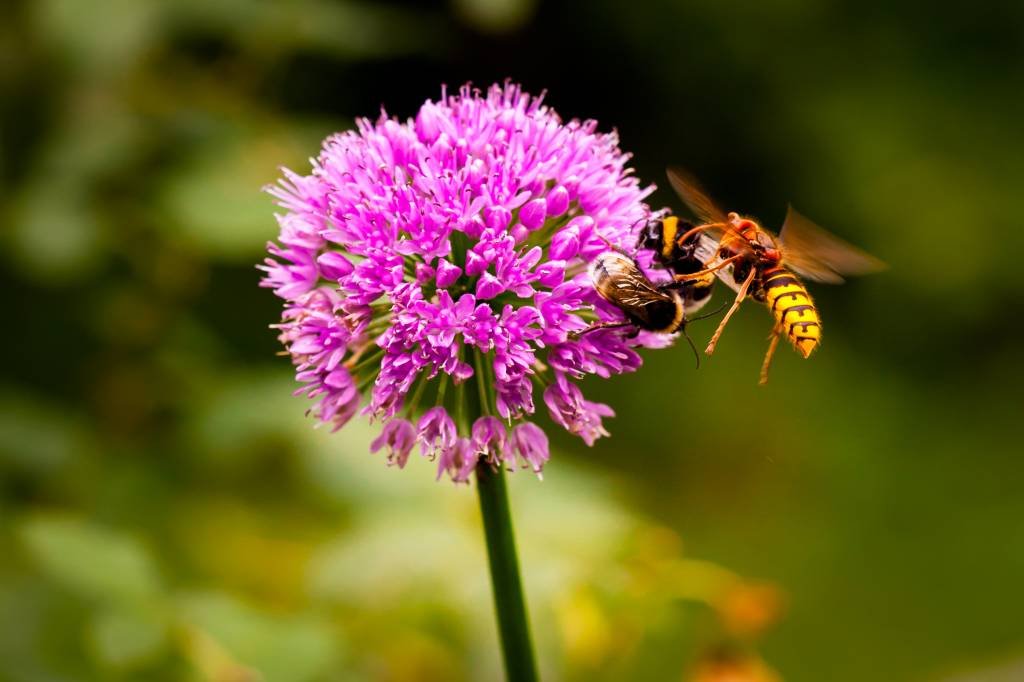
{"points": [[488, 439], [580, 417], [531, 444], [398, 436], [436, 268], [436, 432], [458, 461]]}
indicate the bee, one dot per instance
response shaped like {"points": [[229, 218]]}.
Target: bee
{"points": [[681, 256], [618, 279], [768, 267]]}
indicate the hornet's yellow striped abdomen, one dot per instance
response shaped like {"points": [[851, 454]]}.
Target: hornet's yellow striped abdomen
{"points": [[793, 309]]}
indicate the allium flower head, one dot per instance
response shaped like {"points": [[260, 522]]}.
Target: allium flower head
{"points": [[435, 269]]}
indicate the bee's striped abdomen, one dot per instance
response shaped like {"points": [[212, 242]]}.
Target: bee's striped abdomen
{"points": [[793, 309]]}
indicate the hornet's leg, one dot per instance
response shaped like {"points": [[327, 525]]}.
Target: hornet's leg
{"points": [[707, 271], [596, 326], [700, 228], [772, 345], [735, 304]]}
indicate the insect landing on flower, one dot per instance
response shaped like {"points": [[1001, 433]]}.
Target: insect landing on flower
{"points": [[618, 279], [767, 266]]}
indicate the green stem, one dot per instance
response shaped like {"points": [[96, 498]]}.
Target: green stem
{"points": [[482, 382], [509, 604], [372, 359], [414, 404]]}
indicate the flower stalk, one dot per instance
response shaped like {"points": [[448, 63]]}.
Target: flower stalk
{"points": [[499, 536], [418, 255], [509, 603]]}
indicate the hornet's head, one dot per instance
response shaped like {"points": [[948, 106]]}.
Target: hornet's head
{"points": [[765, 248]]}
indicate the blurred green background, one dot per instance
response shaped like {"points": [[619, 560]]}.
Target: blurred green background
{"points": [[167, 513]]}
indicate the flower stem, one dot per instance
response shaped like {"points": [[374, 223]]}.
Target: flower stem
{"points": [[509, 604]]}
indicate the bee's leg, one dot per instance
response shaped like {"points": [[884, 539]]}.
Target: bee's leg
{"points": [[576, 269], [613, 247], [600, 325], [735, 305], [772, 345], [707, 271], [631, 256]]}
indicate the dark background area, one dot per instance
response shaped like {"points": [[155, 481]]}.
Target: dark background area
{"points": [[167, 513]]}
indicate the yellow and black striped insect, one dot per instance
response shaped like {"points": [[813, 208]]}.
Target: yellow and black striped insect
{"points": [[663, 308], [767, 267]]}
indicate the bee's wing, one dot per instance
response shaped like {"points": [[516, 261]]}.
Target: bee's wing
{"points": [[629, 286], [630, 290], [695, 198], [819, 255]]}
